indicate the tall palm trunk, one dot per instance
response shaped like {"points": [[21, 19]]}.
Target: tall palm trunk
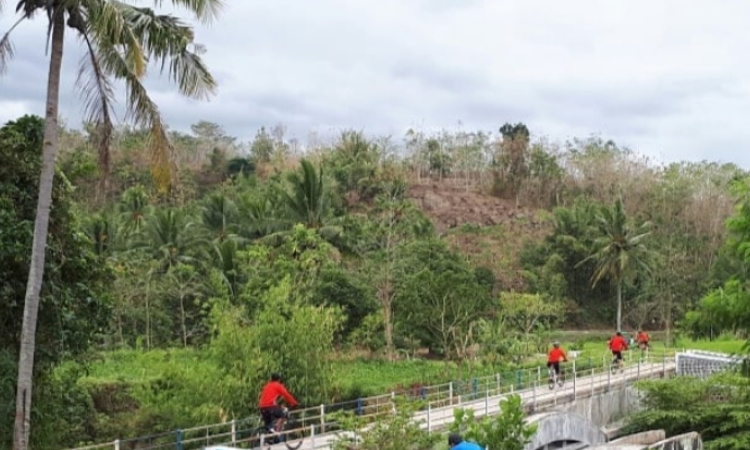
{"points": [[22, 426], [619, 305]]}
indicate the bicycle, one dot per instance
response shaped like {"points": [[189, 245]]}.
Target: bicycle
{"points": [[284, 429], [554, 378]]}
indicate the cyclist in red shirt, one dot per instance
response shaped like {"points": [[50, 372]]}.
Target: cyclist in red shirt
{"points": [[269, 396], [554, 357], [618, 344], [643, 340]]}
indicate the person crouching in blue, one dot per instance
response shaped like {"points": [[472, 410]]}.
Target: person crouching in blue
{"points": [[456, 442]]}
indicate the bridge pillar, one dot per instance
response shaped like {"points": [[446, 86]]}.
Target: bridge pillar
{"points": [[559, 427]]}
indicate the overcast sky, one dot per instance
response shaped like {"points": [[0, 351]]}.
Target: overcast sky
{"points": [[670, 79]]}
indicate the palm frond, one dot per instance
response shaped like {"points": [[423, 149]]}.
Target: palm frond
{"points": [[7, 53], [126, 38], [141, 109], [111, 21], [204, 10], [168, 41], [98, 97]]}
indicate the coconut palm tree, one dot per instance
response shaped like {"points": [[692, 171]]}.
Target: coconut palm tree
{"points": [[620, 252], [121, 39], [219, 217], [170, 238], [308, 202]]}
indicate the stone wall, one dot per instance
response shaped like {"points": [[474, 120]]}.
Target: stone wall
{"points": [[604, 408]]}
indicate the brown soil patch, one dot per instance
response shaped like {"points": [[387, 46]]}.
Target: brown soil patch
{"points": [[490, 230]]}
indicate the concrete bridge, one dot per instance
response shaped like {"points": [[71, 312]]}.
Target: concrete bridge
{"points": [[578, 415], [588, 401]]}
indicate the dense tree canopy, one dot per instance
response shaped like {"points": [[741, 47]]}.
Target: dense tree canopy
{"points": [[75, 305]]}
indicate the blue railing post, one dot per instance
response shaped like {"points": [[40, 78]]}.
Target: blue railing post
{"points": [[359, 406], [519, 379], [179, 439]]}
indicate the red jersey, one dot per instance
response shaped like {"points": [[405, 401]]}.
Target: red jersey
{"points": [[643, 337], [272, 391], [556, 355], [618, 344]]}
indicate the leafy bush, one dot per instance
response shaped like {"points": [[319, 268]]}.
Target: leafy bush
{"points": [[396, 431], [505, 431], [718, 408]]}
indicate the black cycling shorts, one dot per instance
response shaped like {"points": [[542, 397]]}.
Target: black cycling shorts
{"points": [[271, 414], [556, 365], [617, 355]]}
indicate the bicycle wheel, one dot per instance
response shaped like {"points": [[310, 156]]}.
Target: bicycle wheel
{"points": [[551, 379], [294, 434], [560, 380]]}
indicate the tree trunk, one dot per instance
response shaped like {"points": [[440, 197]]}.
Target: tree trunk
{"points": [[388, 317], [184, 320], [619, 306], [22, 425], [148, 315], [669, 321]]}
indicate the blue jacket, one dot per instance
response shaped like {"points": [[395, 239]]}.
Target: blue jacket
{"points": [[466, 445]]}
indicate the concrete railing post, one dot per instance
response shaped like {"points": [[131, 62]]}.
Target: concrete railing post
{"points": [[539, 374], [497, 381], [575, 375], [487, 403], [312, 435], [179, 439], [234, 431], [450, 393], [117, 444], [322, 419], [638, 374], [429, 418], [533, 393], [609, 380]]}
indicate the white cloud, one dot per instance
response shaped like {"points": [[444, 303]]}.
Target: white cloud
{"points": [[666, 78]]}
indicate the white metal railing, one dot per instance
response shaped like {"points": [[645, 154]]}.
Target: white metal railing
{"points": [[319, 421]]}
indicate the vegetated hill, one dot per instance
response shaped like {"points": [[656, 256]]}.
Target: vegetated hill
{"points": [[488, 229]]}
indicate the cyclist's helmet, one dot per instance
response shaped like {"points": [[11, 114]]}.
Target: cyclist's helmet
{"points": [[556, 344], [275, 377], [454, 439]]}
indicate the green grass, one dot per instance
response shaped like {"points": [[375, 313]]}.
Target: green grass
{"points": [[138, 366], [373, 377], [363, 377], [722, 345], [360, 377]]}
